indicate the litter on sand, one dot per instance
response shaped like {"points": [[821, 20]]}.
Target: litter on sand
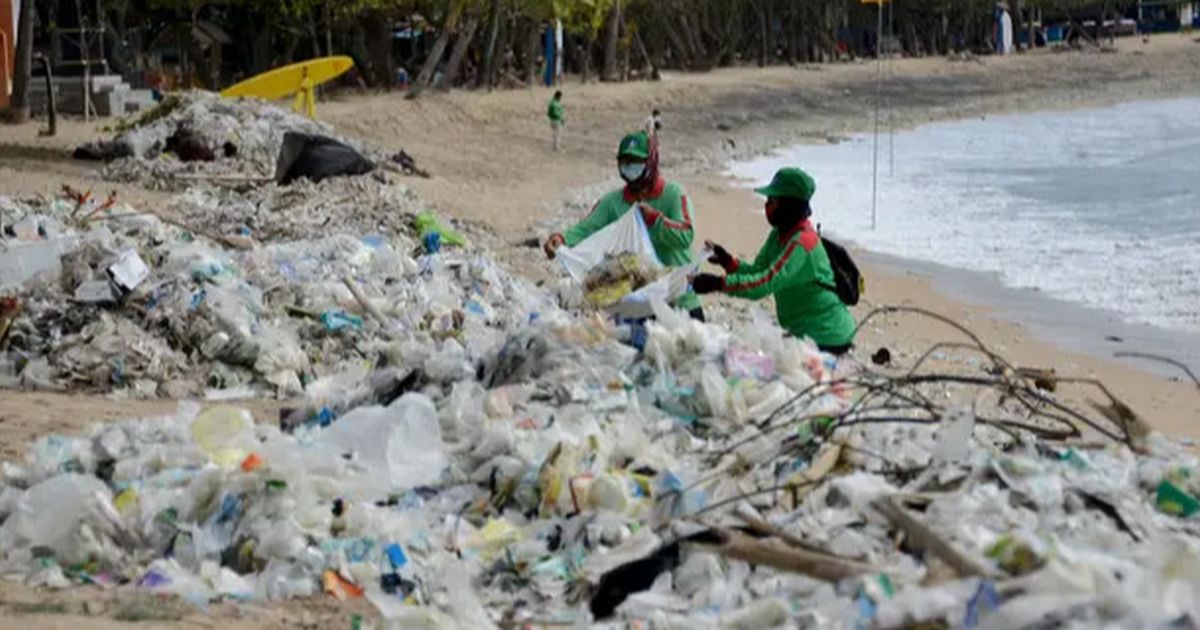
{"points": [[464, 448]]}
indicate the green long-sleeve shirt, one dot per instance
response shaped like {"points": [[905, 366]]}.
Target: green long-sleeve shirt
{"points": [[793, 267], [671, 230], [555, 111]]}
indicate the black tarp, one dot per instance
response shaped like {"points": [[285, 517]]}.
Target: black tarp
{"points": [[316, 158]]}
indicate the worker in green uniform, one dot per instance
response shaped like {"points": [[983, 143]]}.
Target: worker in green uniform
{"points": [[792, 265], [664, 206], [558, 117]]}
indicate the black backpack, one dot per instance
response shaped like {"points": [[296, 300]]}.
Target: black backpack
{"points": [[849, 283]]}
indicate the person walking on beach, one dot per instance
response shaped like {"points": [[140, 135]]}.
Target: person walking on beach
{"points": [[558, 117], [664, 206], [654, 123], [793, 265]]}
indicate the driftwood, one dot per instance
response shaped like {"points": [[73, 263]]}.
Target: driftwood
{"points": [[771, 553], [922, 536]]}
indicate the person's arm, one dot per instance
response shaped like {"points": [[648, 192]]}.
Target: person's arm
{"points": [[790, 266], [673, 226], [600, 216], [761, 260]]}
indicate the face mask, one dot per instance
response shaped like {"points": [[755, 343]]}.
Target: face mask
{"points": [[771, 207], [632, 171]]}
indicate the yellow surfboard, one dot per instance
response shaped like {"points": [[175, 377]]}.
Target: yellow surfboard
{"points": [[285, 81], [297, 79]]}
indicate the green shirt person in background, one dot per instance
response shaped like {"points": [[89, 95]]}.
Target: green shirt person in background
{"points": [[792, 266], [558, 117], [664, 205]]}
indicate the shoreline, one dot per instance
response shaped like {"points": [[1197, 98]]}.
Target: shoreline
{"points": [[1076, 326]]}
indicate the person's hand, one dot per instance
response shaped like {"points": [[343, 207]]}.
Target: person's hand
{"points": [[721, 256], [649, 214], [552, 244], [707, 283]]}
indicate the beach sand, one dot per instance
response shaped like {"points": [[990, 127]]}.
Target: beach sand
{"points": [[491, 159]]}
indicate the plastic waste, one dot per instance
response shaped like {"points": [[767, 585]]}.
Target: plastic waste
{"points": [[23, 262], [401, 444], [49, 515], [954, 436], [129, 271], [339, 320], [627, 235], [225, 434], [427, 223], [1171, 499]]}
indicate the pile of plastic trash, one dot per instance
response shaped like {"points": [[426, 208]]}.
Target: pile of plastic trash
{"points": [[466, 451], [109, 299], [301, 210], [570, 478], [199, 133]]}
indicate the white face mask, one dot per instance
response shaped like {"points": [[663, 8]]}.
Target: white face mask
{"points": [[632, 171]]}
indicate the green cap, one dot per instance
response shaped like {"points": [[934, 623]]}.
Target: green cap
{"points": [[635, 145], [790, 182]]}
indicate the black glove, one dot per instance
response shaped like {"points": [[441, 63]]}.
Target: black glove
{"points": [[707, 283], [721, 257]]}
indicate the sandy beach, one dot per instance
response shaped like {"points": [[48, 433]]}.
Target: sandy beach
{"points": [[492, 165]]}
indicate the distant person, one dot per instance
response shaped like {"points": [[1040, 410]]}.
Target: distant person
{"points": [[792, 266], [664, 206], [654, 123], [558, 117]]}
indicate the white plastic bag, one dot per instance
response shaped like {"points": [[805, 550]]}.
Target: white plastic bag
{"points": [[627, 235], [401, 443]]}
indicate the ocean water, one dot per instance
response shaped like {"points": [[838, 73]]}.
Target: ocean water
{"points": [[1100, 207]]}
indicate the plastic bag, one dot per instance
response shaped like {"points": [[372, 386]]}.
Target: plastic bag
{"points": [[627, 235], [225, 434], [49, 514], [402, 441]]}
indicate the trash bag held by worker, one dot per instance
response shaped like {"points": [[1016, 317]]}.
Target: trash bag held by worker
{"points": [[316, 158], [627, 239]]}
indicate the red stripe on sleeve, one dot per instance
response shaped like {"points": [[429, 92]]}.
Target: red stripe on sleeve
{"points": [[775, 269], [687, 217]]}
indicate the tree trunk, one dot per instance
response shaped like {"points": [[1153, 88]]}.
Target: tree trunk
{"points": [[18, 105], [435, 54], [489, 54], [763, 33], [377, 38], [646, 59], [461, 45], [789, 35], [585, 58], [531, 53], [312, 34], [679, 43], [612, 36], [328, 31]]}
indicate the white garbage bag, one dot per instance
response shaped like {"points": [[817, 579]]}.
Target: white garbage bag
{"points": [[627, 235], [398, 447]]}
